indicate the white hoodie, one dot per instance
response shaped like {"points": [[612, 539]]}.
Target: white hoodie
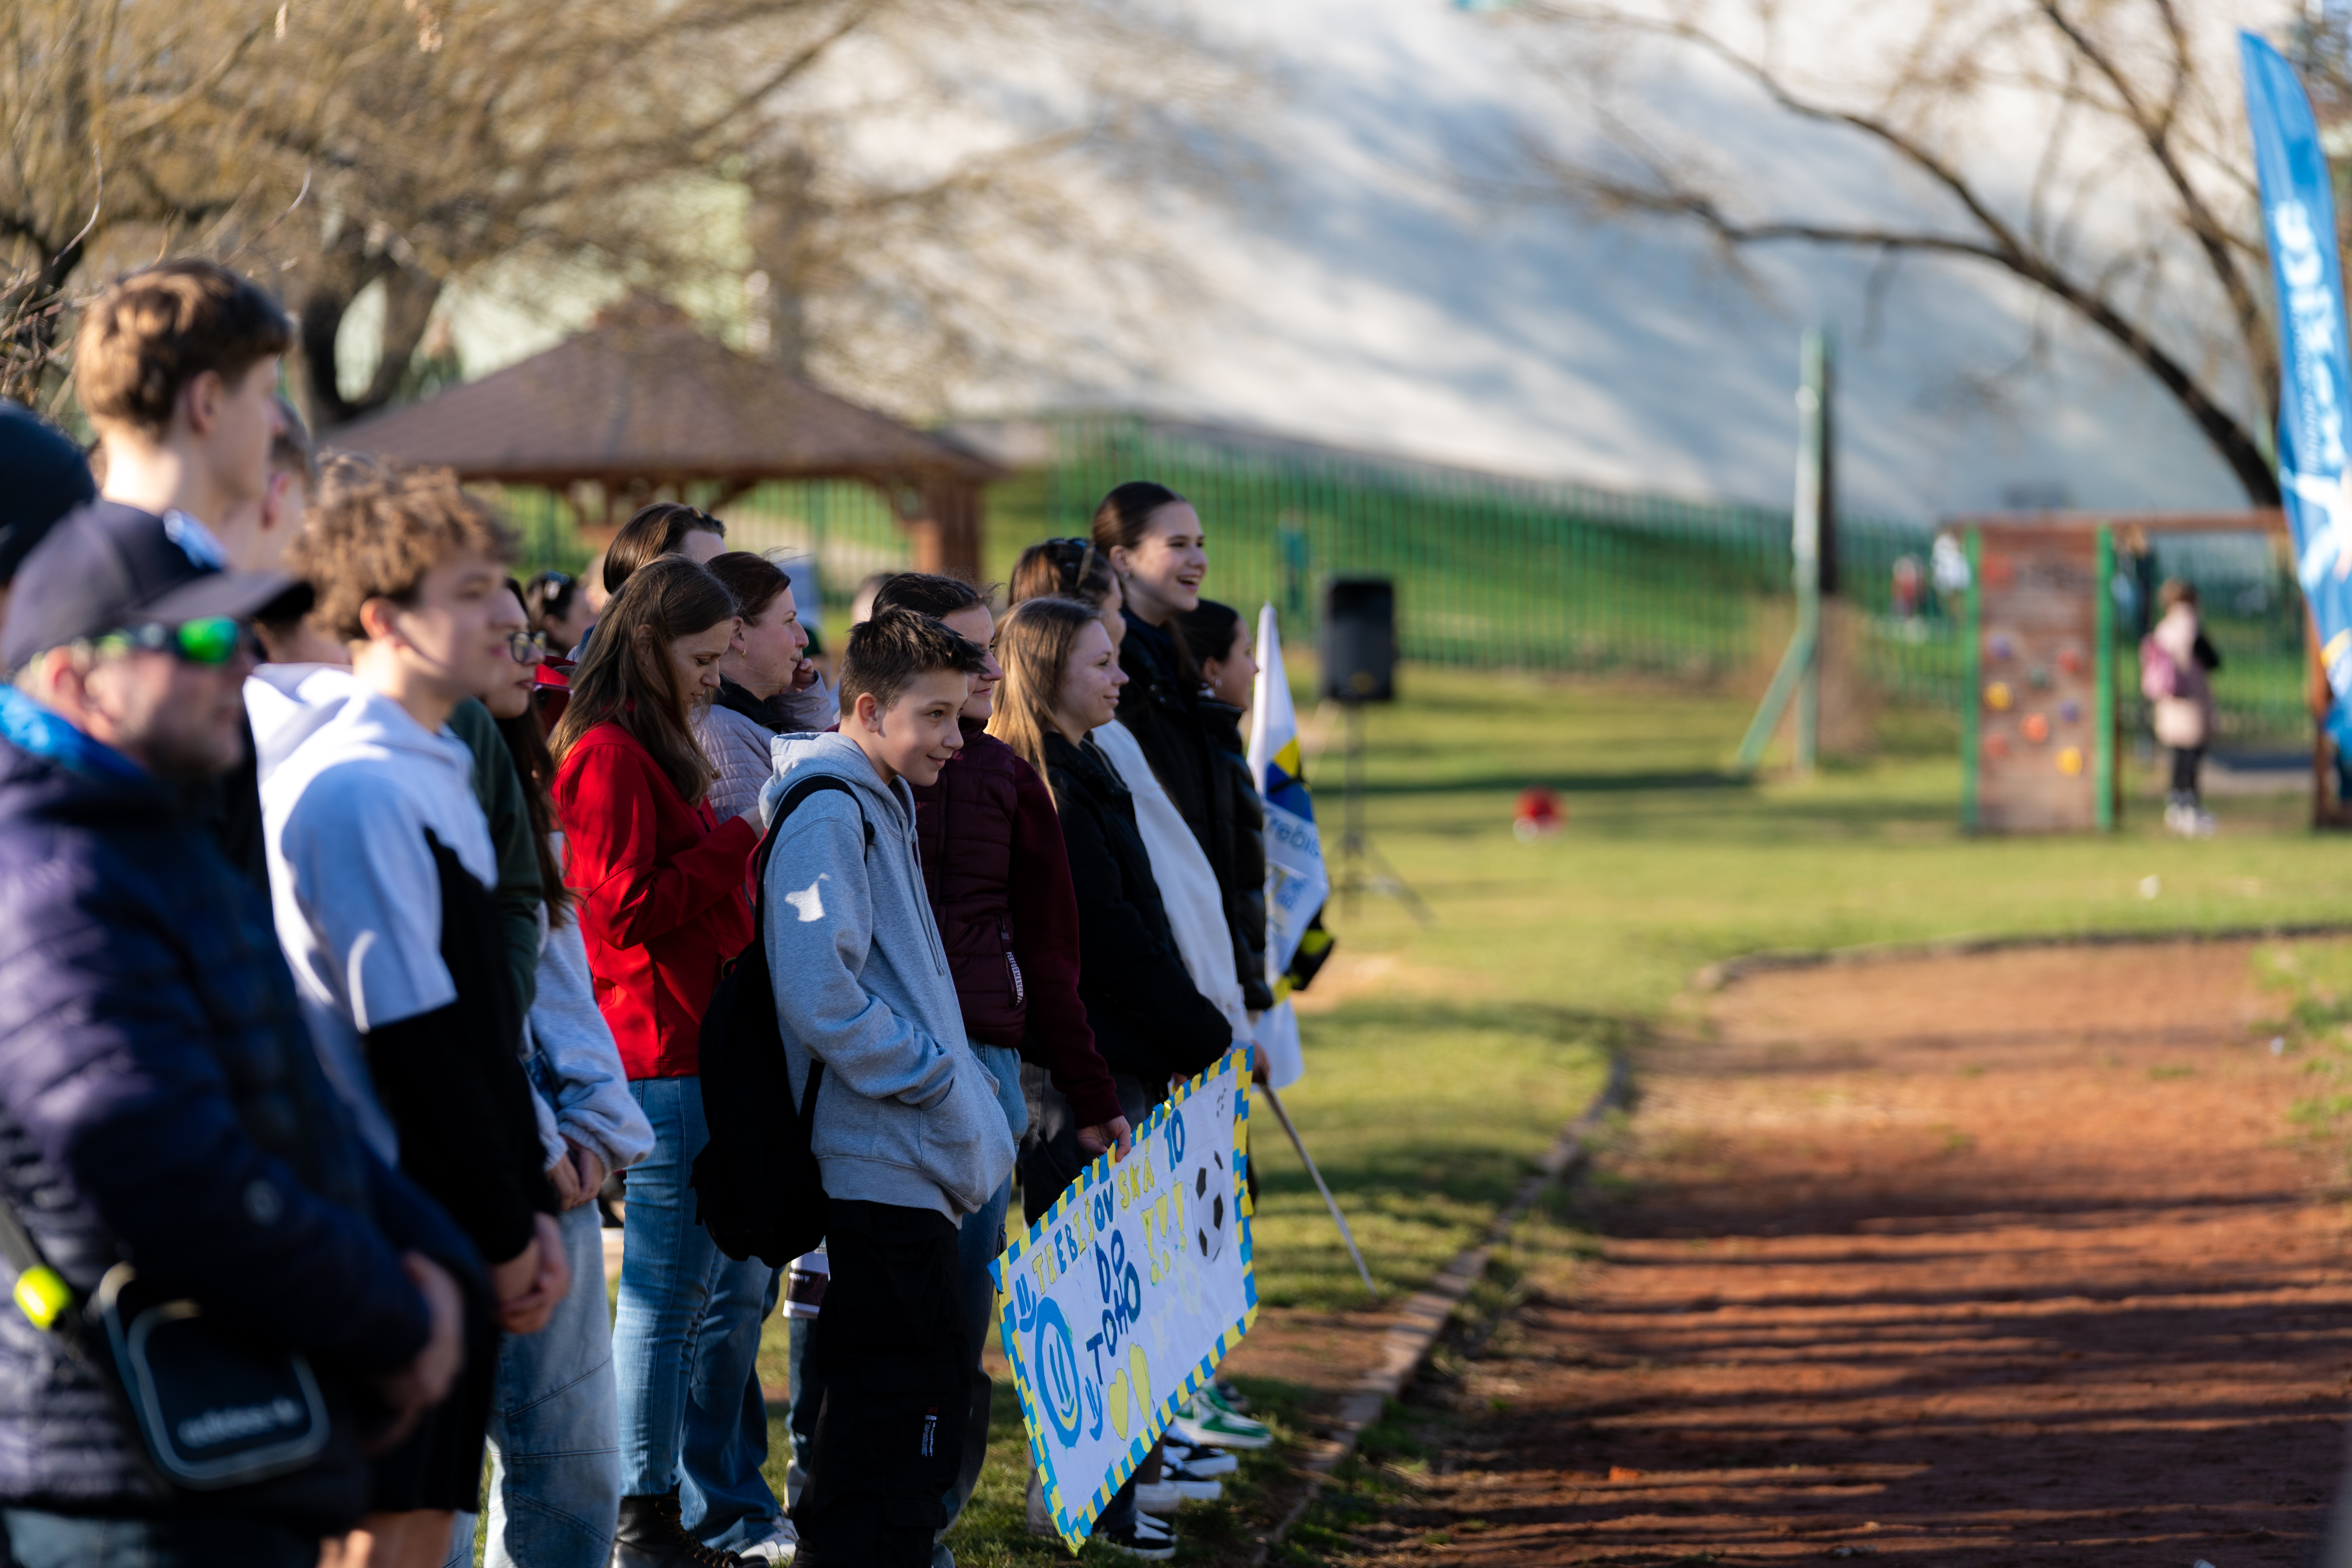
{"points": [[350, 786]]}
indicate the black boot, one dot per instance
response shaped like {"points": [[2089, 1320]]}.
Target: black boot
{"points": [[650, 1536]]}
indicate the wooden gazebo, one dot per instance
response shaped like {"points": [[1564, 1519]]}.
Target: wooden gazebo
{"points": [[643, 403]]}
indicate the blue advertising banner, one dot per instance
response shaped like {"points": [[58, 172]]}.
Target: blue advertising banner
{"points": [[2314, 370], [1119, 1302]]}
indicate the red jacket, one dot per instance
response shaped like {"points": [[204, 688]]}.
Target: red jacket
{"points": [[662, 901], [999, 880]]}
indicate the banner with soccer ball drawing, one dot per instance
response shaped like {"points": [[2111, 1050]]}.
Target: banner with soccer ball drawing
{"points": [[1119, 1304]]}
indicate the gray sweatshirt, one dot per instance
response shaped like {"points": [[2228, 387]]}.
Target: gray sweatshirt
{"points": [[907, 1115]]}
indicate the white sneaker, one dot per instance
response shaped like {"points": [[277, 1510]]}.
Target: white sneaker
{"points": [[781, 1544], [2201, 824], [1159, 1497], [1141, 1546], [1221, 1431], [1203, 1463], [1148, 1525]]}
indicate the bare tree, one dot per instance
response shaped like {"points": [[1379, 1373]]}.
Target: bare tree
{"points": [[2093, 149], [417, 146]]}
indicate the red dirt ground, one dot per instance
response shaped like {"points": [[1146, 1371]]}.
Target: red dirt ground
{"points": [[1974, 1260]]}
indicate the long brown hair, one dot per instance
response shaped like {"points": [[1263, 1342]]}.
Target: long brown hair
{"points": [[653, 532], [628, 679], [1033, 643]]}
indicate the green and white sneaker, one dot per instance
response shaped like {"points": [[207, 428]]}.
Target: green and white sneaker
{"points": [[1202, 1423], [1225, 1397]]}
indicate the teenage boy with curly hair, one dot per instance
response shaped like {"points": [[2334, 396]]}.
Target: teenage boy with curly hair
{"points": [[381, 870]]}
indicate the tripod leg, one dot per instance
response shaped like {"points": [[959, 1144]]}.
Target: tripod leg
{"points": [[1396, 886]]}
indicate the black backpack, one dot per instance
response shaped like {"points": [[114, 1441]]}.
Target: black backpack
{"points": [[757, 1187]]}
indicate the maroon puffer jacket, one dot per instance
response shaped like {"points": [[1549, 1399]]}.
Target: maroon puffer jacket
{"points": [[999, 879]]}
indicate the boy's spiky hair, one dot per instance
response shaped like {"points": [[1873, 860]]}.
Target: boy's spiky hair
{"points": [[378, 528], [895, 647]]}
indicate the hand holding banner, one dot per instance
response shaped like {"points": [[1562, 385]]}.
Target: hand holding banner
{"points": [[1119, 1304]]}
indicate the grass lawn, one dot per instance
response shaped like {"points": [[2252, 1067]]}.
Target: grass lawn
{"points": [[1441, 1060]]}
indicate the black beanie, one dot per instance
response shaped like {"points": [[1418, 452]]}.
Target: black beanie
{"points": [[42, 476]]}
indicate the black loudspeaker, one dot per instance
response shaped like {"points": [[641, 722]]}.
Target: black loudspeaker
{"points": [[1359, 640]]}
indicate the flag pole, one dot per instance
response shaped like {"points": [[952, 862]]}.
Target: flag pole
{"points": [[1328, 1201]]}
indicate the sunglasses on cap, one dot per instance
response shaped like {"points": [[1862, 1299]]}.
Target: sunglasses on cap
{"points": [[212, 641]]}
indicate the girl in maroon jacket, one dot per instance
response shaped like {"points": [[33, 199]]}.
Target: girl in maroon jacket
{"points": [[662, 905], [999, 879]]}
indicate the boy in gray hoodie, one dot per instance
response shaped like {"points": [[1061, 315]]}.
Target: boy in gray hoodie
{"points": [[905, 1123]]}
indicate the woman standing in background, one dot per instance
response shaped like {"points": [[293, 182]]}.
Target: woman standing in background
{"points": [[767, 686], [660, 881]]}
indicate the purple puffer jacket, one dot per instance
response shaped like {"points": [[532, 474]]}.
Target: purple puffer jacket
{"points": [[160, 1103]]}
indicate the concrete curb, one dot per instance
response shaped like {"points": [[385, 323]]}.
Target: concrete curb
{"points": [[1408, 1341], [1716, 976]]}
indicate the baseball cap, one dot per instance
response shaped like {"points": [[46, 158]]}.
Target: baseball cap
{"points": [[43, 476], [109, 567]]}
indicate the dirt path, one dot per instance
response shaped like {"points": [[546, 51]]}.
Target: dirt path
{"points": [[1959, 1261]]}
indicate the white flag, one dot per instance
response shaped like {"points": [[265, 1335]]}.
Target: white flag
{"points": [[1296, 881]]}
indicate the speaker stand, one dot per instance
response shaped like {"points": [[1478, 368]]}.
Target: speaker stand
{"points": [[1356, 846]]}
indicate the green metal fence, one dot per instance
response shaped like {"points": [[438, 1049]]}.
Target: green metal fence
{"points": [[1489, 571], [1494, 572]]}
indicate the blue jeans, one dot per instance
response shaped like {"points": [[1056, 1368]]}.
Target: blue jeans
{"points": [[39, 1539], [555, 1456], [685, 1338]]}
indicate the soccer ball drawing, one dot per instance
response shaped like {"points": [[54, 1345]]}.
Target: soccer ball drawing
{"points": [[1209, 1186]]}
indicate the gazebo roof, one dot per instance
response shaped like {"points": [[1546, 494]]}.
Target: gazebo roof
{"points": [[643, 398]]}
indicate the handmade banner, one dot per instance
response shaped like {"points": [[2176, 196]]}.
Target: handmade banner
{"points": [[1120, 1303], [2315, 373]]}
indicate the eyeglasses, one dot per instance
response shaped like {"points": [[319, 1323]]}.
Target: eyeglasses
{"points": [[527, 647], [212, 641]]}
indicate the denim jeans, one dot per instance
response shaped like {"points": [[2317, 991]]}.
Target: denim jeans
{"points": [[555, 1456], [685, 1338], [39, 1539]]}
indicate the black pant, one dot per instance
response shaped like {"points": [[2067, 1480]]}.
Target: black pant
{"points": [[890, 1346], [2186, 760]]}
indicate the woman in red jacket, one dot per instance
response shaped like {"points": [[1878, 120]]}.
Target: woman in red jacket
{"points": [[662, 904]]}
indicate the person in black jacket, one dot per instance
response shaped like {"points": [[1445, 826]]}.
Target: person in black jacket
{"points": [[1153, 539], [160, 1103], [1214, 635], [1061, 681]]}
